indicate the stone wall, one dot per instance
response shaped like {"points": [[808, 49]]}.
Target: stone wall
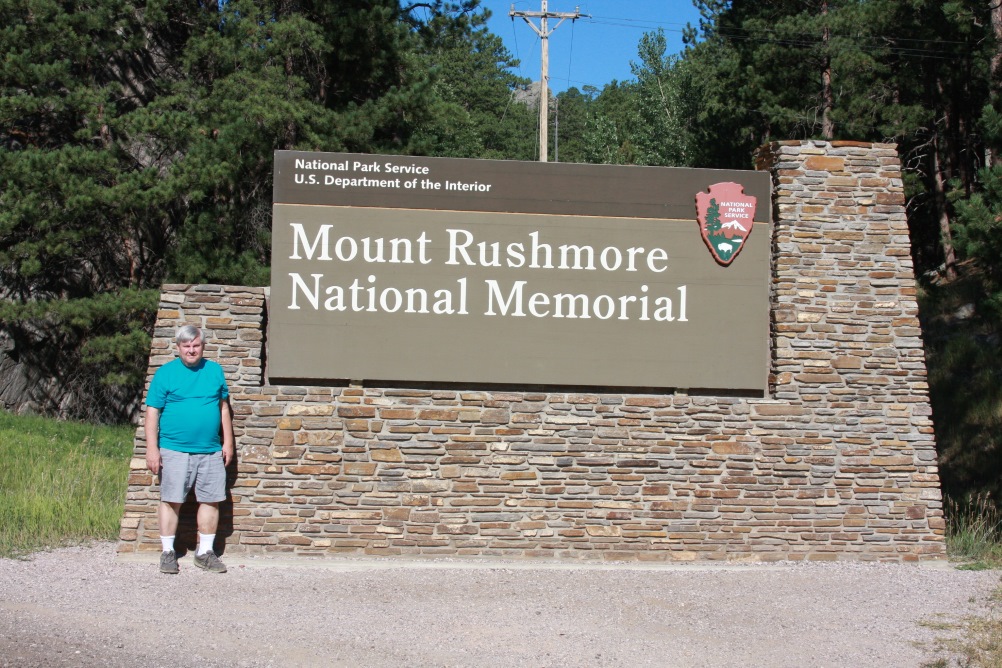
{"points": [[839, 461]]}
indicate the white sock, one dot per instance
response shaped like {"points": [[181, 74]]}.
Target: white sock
{"points": [[167, 542], [205, 541]]}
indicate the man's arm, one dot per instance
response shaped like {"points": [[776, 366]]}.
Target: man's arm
{"points": [[226, 418], [153, 439]]}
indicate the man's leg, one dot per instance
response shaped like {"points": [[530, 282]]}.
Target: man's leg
{"points": [[174, 488], [167, 519], [167, 516], [208, 520], [210, 489]]}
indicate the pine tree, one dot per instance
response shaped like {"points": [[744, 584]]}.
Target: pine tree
{"points": [[136, 144], [477, 114], [914, 73], [77, 230]]}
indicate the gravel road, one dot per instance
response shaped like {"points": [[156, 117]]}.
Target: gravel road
{"points": [[83, 607]]}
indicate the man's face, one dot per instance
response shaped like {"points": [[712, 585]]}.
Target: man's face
{"points": [[191, 352]]}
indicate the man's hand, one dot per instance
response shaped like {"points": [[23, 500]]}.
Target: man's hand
{"points": [[152, 429], [153, 459], [226, 419]]}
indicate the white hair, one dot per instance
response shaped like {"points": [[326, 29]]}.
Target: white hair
{"points": [[188, 333]]}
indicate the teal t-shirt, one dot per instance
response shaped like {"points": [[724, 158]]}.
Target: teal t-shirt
{"points": [[188, 401]]}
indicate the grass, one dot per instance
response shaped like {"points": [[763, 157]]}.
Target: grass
{"points": [[974, 532], [61, 483], [974, 541]]}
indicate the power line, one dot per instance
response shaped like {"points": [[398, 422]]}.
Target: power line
{"points": [[893, 43], [876, 42], [643, 24], [903, 48]]}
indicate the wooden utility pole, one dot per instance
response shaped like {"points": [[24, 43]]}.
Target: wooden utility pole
{"points": [[544, 33]]}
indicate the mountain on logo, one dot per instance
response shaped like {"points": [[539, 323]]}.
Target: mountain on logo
{"points": [[734, 225]]}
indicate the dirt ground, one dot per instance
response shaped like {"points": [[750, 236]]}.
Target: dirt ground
{"points": [[84, 607]]}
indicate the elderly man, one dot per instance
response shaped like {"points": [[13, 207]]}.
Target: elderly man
{"points": [[187, 409]]}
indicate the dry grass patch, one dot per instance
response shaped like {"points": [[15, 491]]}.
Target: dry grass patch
{"points": [[975, 641]]}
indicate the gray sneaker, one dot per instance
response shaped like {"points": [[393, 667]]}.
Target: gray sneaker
{"points": [[168, 562], [210, 562]]}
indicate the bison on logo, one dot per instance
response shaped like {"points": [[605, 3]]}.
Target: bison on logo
{"points": [[725, 216]]}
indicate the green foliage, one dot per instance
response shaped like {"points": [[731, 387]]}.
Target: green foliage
{"points": [[978, 225], [138, 139], [61, 482], [476, 113], [965, 363], [69, 219], [571, 115], [610, 135], [962, 355], [136, 143], [667, 105], [914, 72], [253, 77], [767, 64], [96, 345]]}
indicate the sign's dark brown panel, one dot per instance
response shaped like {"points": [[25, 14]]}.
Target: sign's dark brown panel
{"points": [[474, 271]]}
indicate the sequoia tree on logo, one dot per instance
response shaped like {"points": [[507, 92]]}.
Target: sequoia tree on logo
{"points": [[725, 216]]}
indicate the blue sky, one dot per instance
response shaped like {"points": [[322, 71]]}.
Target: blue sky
{"points": [[590, 51]]}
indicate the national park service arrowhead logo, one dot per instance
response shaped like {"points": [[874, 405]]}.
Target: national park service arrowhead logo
{"points": [[725, 216]]}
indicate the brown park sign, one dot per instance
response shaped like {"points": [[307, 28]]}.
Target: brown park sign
{"points": [[443, 270]]}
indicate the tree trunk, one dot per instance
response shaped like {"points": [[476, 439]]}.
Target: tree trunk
{"points": [[996, 10], [945, 235], [827, 96], [991, 155]]}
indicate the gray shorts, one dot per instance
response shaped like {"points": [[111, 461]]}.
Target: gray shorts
{"points": [[180, 471]]}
